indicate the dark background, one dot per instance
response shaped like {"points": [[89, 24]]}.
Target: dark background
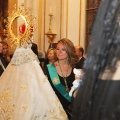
{"points": [[3, 13]]}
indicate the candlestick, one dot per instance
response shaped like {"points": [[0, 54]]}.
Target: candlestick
{"points": [[51, 10], [50, 34]]}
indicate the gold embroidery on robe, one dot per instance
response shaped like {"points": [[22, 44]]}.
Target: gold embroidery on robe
{"points": [[6, 107]]}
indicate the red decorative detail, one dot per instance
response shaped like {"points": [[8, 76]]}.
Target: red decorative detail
{"points": [[22, 28]]}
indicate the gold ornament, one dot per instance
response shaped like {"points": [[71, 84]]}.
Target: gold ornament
{"points": [[13, 22]]}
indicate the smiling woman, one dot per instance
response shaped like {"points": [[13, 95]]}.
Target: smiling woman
{"points": [[60, 72]]}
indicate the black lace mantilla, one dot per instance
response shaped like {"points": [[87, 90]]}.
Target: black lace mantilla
{"points": [[102, 53]]}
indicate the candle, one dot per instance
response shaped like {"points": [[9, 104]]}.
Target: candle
{"points": [[51, 10]]}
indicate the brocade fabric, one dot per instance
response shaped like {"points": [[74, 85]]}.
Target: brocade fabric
{"points": [[25, 93]]}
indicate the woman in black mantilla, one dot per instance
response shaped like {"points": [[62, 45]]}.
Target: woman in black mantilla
{"points": [[99, 96]]}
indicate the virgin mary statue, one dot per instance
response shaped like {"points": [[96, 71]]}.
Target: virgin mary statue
{"points": [[25, 92]]}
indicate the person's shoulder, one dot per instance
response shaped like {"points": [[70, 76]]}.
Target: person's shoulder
{"points": [[1, 70], [83, 58], [34, 44], [4, 62]]}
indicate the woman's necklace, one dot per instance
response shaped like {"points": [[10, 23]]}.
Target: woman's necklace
{"points": [[64, 77]]}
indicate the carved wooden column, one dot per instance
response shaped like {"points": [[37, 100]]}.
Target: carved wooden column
{"points": [[3, 16], [92, 7]]}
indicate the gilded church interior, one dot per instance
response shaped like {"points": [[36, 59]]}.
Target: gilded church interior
{"points": [[30, 92], [55, 20]]}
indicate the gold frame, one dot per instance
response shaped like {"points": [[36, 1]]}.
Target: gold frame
{"points": [[26, 37]]}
